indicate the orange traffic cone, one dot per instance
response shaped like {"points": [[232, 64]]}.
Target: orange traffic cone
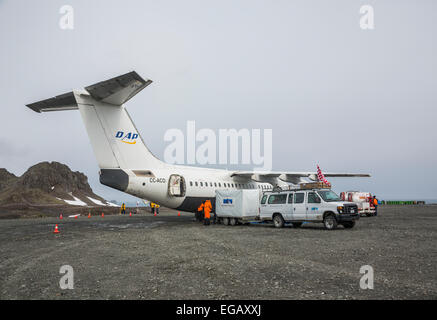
{"points": [[130, 214], [60, 217], [89, 215], [56, 229], [103, 215], [75, 217], [179, 214], [155, 214]]}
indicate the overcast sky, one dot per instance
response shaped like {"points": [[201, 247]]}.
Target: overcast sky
{"points": [[348, 99]]}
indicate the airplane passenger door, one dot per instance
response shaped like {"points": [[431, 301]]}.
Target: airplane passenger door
{"points": [[299, 206]]}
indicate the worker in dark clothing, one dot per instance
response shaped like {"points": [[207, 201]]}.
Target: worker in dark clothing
{"points": [[375, 204], [200, 212], [207, 212]]}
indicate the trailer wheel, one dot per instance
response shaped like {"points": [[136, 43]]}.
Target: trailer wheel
{"points": [[226, 221], [233, 221], [349, 224], [297, 224], [278, 221], [330, 222]]}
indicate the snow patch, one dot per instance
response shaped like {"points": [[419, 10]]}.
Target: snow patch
{"points": [[112, 204], [75, 202], [98, 202]]}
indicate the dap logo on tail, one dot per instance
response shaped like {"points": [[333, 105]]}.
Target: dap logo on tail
{"points": [[129, 138]]}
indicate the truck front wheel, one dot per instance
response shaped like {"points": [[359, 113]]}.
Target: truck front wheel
{"points": [[330, 222], [278, 221]]}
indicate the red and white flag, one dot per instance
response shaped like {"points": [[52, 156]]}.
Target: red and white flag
{"points": [[321, 177]]}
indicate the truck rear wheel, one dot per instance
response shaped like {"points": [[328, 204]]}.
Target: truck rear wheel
{"points": [[233, 221], [349, 224], [278, 221], [226, 221], [330, 222]]}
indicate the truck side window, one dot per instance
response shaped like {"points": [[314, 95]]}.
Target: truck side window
{"points": [[313, 198], [278, 199], [264, 199], [299, 197], [290, 198]]}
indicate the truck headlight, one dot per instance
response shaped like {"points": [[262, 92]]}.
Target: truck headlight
{"points": [[340, 209]]}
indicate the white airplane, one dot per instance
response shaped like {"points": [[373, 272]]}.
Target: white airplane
{"points": [[128, 165]]}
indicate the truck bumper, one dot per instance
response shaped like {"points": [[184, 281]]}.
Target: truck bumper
{"points": [[347, 217]]}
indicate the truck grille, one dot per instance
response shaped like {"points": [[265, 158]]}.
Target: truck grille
{"points": [[351, 208]]}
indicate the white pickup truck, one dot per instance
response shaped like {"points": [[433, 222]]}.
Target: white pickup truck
{"points": [[313, 205]]}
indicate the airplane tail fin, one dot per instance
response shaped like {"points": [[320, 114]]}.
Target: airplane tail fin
{"points": [[115, 140]]}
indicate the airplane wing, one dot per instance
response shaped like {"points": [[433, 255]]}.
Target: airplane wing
{"points": [[292, 177]]}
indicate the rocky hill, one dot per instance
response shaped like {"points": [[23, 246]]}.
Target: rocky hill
{"points": [[47, 185]]}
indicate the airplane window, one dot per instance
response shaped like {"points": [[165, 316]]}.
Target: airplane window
{"points": [[191, 183], [220, 184], [215, 184], [196, 183], [201, 184]]}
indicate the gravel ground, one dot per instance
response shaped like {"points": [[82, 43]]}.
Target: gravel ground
{"points": [[171, 257]]}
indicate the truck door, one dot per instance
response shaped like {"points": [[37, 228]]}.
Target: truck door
{"points": [[289, 208], [299, 206], [264, 212], [314, 212], [277, 203]]}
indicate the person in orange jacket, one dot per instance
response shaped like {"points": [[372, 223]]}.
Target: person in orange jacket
{"points": [[200, 212], [375, 204], [207, 211]]}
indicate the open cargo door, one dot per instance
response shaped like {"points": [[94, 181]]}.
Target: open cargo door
{"points": [[176, 186]]}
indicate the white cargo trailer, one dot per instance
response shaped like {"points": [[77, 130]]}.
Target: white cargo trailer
{"points": [[237, 206]]}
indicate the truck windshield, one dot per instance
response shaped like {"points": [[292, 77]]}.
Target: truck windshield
{"points": [[329, 196]]}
